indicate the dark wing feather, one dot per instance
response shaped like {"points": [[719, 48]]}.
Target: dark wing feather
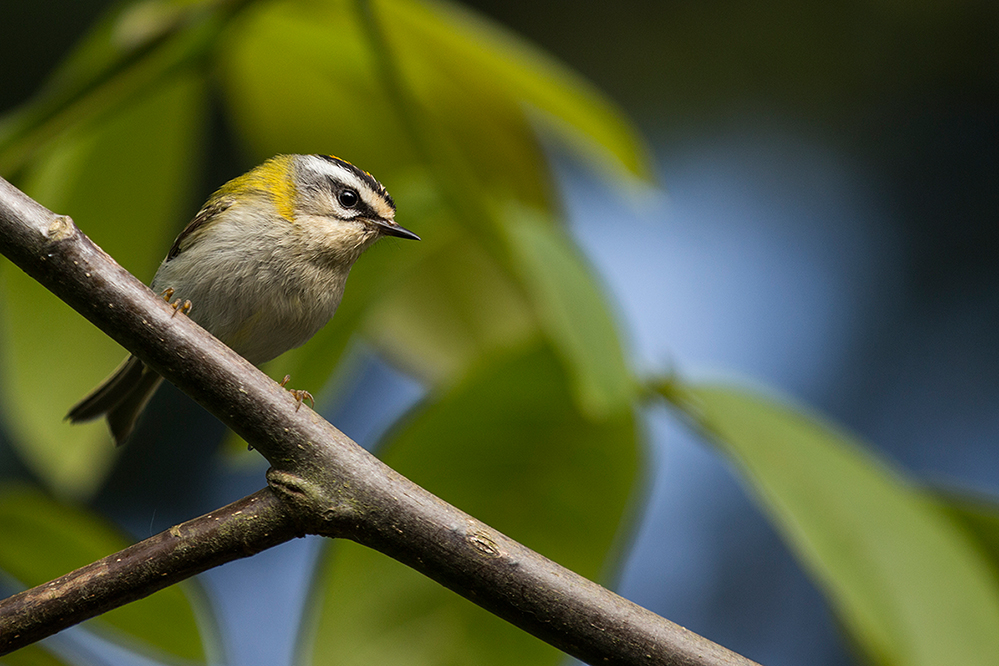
{"points": [[208, 211]]}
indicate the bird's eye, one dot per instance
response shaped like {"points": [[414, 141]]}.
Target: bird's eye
{"points": [[348, 198]]}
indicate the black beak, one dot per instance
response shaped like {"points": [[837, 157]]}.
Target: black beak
{"points": [[393, 229]]}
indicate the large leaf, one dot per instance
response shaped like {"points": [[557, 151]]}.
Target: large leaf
{"points": [[509, 446], [574, 313], [979, 516], [127, 187], [43, 539], [450, 54], [908, 583], [132, 51], [32, 655], [300, 77], [457, 306]]}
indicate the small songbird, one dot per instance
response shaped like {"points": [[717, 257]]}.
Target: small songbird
{"points": [[263, 265]]}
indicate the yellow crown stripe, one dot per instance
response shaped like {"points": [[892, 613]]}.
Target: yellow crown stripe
{"points": [[273, 179]]}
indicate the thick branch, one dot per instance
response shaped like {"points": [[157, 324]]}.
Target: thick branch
{"points": [[328, 484]]}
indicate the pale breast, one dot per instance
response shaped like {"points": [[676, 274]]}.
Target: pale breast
{"points": [[260, 298]]}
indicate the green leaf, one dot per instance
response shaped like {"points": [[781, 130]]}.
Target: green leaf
{"points": [[44, 539], [908, 583], [130, 53], [979, 516], [457, 306], [460, 62], [32, 655], [125, 181], [575, 315], [509, 446], [299, 77]]}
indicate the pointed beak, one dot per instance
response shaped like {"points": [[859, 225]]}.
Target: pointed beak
{"points": [[393, 229]]}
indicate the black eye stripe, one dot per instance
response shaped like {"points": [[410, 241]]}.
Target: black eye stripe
{"points": [[363, 176]]}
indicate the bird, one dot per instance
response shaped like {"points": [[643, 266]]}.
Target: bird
{"points": [[262, 267]]}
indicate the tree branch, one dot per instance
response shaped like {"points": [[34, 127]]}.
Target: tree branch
{"points": [[238, 530], [320, 482]]}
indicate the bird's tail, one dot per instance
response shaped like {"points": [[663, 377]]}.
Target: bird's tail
{"points": [[121, 397]]}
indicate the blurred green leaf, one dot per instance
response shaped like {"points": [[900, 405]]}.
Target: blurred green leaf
{"points": [[979, 515], [135, 50], [127, 187], [299, 77], [910, 586], [469, 70], [32, 655], [574, 314], [509, 446], [43, 539], [456, 307]]}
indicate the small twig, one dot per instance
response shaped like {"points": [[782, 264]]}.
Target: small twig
{"points": [[241, 529], [324, 482]]}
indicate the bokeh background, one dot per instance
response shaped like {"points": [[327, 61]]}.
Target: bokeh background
{"points": [[828, 225]]}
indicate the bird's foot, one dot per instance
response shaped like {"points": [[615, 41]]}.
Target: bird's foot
{"points": [[299, 395], [184, 307]]}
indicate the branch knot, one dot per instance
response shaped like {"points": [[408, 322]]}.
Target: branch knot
{"points": [[315, 508], [60, 228]]}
